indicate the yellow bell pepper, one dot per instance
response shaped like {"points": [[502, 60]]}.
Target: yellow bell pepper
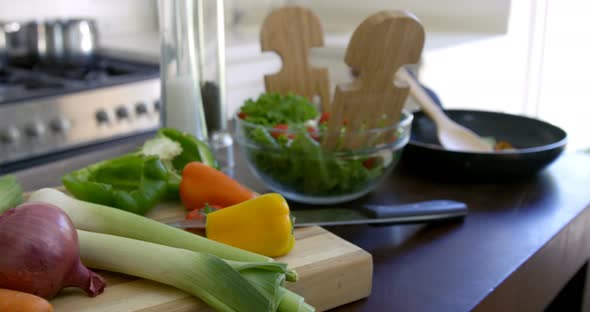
{"points": [[262, 225]]}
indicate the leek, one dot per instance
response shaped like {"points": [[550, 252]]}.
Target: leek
{"points": [[288, 301], [11, 193], [208, 277], [103, 219]]}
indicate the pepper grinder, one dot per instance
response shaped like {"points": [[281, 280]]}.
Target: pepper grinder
{"points": [[193, 72], [211, 44]]}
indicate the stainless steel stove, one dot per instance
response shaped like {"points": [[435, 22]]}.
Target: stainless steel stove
{"points": [[46, 110]]}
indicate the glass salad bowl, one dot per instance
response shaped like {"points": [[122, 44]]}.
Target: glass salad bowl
{"points": [[291, 161]]}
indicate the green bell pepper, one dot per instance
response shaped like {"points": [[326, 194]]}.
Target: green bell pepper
{"points": [[139, 181], [176, 149], [133, 182]]}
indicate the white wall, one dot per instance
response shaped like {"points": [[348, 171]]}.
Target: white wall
{"points": [[439, 15], [113, 16]]}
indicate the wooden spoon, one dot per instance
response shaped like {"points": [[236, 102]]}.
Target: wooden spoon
{"points": [[451, 135], [379, 46], [291, 32]]}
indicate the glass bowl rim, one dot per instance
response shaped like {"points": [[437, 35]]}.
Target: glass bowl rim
{"points": [[404, 122], [401, 142]]}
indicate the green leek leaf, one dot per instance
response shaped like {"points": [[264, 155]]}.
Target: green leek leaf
{"points": [[11, 193]]}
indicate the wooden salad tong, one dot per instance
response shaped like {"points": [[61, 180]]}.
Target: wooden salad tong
{"points": [[291, 32], [380, 46]]}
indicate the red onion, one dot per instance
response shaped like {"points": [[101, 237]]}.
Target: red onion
{"points": [[40, 252]]}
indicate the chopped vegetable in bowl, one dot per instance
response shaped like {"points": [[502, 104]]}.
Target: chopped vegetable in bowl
{"points": [[281, 136], [272, 109]]}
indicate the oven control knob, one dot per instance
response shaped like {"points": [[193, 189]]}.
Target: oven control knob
{"points": [[122, 112], [102, 116], [141, 108], [35, 130], [59, 125], [9, 135]]}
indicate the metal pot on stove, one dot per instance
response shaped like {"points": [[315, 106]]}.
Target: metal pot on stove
{"points": [[13, 45], [81, 41], [45, 41], [63, 42]]}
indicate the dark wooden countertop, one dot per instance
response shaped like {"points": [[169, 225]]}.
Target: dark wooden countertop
{"points": [[520, 244]]}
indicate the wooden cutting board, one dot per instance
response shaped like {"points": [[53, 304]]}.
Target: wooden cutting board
{"points": [[332, 272]]}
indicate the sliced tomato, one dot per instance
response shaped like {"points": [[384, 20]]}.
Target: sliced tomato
{"points": [[281, 129], [242, 115], [199, 214], [369, 163], [324, 117], [313, 133], [195, 214]]}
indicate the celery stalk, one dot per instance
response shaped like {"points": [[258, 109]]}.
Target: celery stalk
{"points": [[208, 277], [102, 219]]}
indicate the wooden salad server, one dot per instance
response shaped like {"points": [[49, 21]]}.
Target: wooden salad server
{"points": [[291, 32], [451, 135], [380, 45]]}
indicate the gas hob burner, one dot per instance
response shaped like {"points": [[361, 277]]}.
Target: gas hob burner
{"points": [[101, 70], [24, 81], [49, 111], [28, 82]]}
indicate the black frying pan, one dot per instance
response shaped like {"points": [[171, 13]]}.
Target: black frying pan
{"points": [[537, 144]]}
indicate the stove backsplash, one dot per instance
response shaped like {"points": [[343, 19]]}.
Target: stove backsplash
{"points": [[114, 17]]}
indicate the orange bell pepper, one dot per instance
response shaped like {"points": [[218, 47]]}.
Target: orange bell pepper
{"points": [[202, 184]]}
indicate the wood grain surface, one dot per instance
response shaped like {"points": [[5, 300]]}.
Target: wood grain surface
{"points": [[291, 32], [332, 272], [379, 46]]}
